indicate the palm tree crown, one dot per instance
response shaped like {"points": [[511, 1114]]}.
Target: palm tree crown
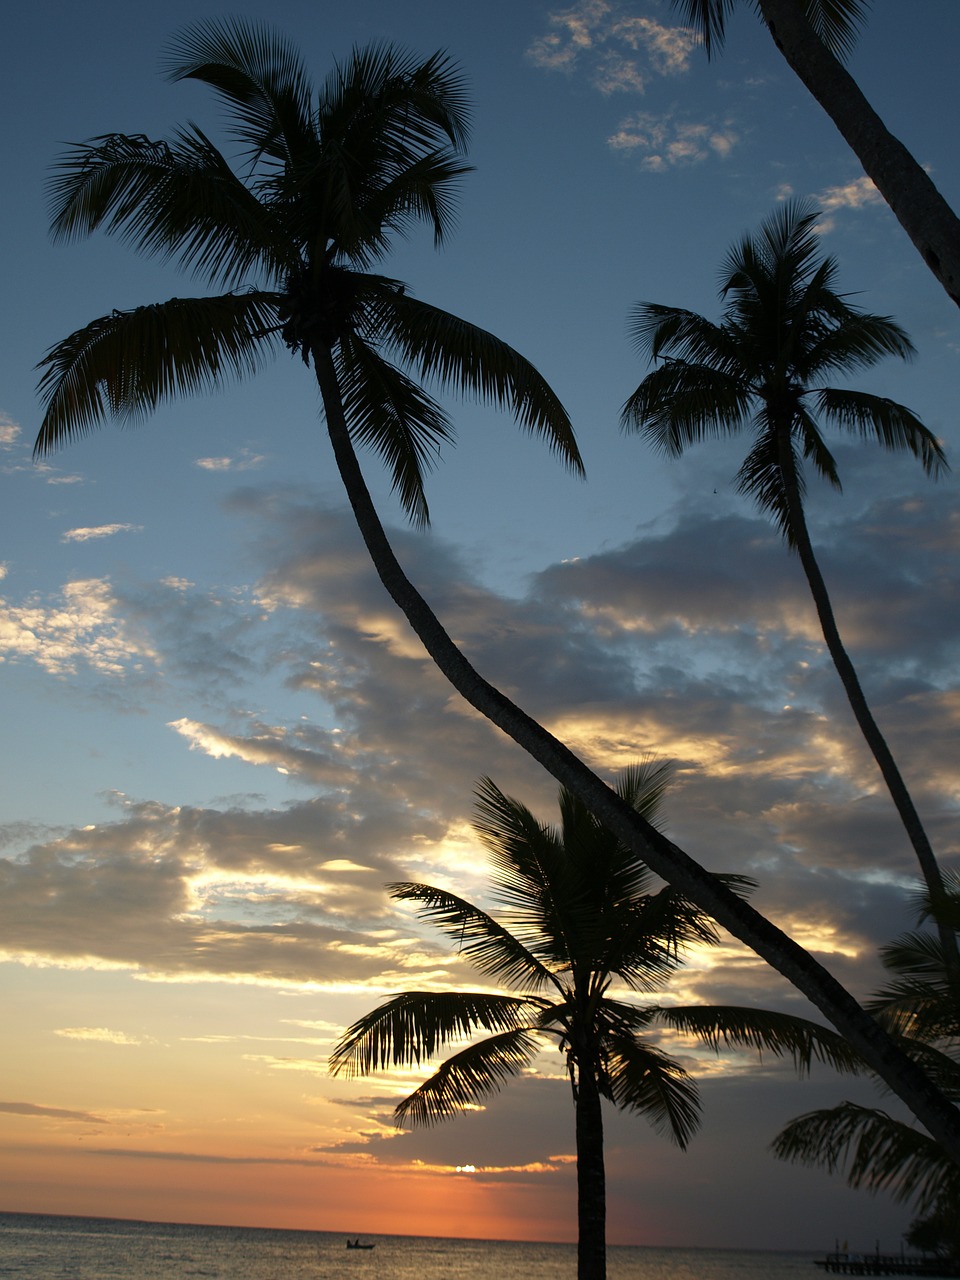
{"points": [[327, 178], [784, 333], [765, 367], [876, 1151], [578, 916]]}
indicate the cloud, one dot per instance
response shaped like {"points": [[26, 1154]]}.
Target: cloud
{"points": [[853, 195], [695, 640], [313, 755], [10, 432], [606, 39], [663, 142], [244, 461], [82, 627], [99, 531], [860, 193], [102, 1034], [53, 1113]]}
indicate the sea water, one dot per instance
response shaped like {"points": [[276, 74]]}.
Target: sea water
{"points": [[61, 1248]]}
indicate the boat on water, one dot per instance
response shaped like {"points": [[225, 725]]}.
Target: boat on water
{"points": [[355, 1244]]}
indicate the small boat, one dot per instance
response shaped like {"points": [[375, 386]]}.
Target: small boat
{"points": [[355, 1244]]}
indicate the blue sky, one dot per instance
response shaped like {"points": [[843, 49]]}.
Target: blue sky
{"points": [[221, 741]]}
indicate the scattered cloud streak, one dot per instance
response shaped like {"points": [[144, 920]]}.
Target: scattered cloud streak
{"points": [[33, 1109], [245, 460], [622, 53], [607, 39], [101, 1034], [99, 531], [664, 142]]}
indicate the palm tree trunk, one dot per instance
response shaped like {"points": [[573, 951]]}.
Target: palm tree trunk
{"points": [[917, 204], [664, 858], [591, 1181], [929, 867]]}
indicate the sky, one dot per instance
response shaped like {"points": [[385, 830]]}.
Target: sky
{"points": [[221, 741]]}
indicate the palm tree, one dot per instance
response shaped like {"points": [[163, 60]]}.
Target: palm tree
{"points": [[329, 178], [814, 36], [876, 1151], [578, 914], [765, 368]]}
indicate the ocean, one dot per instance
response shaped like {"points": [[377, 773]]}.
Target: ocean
{"points": [[62, 1248]]}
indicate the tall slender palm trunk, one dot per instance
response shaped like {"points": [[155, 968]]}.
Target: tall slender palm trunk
{"points": [[663, 857], [903, 801], [591, 1180], [916, 203]]}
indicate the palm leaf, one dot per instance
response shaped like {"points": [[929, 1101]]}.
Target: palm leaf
{"points": [[874, 1151], [851, 339], [260, 76], [659, 332], [681, 404], [814, 449], [472, 361], [467, 1077], [176, 200], [387, 122], [892, 425], [125, 364], [642, 1078], [414, 1026], [533, 875], [390, 413], [483, 940], [646, 936], [781, 1034], [761, 476]]}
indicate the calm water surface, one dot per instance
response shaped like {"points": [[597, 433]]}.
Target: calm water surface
{"points": [[56, 1248]]}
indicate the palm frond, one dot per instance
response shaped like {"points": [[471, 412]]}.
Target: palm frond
{"points": [[680, 404], [490, 947], [660, 332], [124, 364], [173, 200], [391, 414], [414, 1026], [849, 338], [891, 425], [532, 875], [708, 18], [467, 1077], [874, 1151], [765, 1030], [814, 449], [646, 936], [761, 476], [642, 1078], [260, 76], [388, 125], [837, 22], [423, 191], [472, 361]]}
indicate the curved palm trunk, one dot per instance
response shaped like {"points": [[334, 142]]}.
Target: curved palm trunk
{"points": [[664, 858], [917, 204], [929, 867], [591, 1181]]}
